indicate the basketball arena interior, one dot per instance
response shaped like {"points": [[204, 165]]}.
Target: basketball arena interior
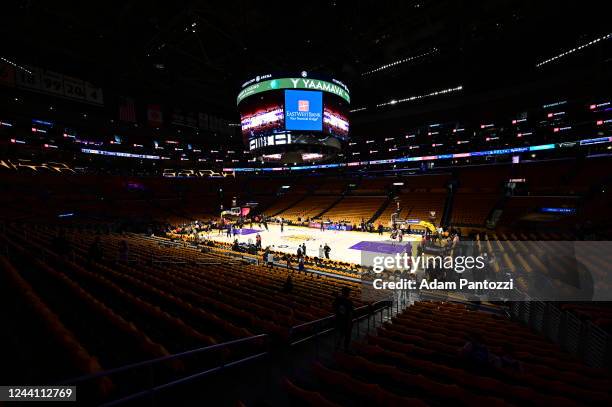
{"points": [[327, 203]]}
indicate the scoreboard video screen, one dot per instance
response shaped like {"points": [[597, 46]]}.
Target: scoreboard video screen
{"points": [[303, 110], [293, 110]]}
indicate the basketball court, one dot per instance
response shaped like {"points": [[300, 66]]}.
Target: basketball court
{"points": [[345, 245]]}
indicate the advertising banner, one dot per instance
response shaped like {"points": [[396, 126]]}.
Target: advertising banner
{"points": [[303, 110]]}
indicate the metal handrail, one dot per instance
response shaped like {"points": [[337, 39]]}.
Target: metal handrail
{"points": [[186, 379], [159, 359], [375, 307]]}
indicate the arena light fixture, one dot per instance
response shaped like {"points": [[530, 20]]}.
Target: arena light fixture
{"points": [[16, 65], [573, 50], [399, 62], [412, 98]]}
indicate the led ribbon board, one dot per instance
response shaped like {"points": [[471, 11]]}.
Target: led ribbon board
{"points": [[294, 83]]}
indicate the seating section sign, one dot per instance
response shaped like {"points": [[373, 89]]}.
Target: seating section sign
{"points": [[303, 110]]}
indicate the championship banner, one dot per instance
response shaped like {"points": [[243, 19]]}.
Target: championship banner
{"points": [[74, 88], [203, 121], [26, 80], [154, 115], [185, 119], [93, 94], [54, 83]]}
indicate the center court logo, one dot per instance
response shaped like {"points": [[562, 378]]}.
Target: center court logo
{"points": [[297, 238], [303, 105]]}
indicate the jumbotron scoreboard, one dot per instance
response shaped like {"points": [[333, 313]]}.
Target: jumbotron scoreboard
{"points": [[294, 118]]}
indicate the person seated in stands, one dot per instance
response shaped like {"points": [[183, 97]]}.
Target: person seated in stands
{"points": [[235, 246], [380, 229], [288, 286], [474, 351], [95, 251], [343, 310]]}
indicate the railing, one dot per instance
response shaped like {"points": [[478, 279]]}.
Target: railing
{"points": [[325, 325], [581, 338], [153, 388]]}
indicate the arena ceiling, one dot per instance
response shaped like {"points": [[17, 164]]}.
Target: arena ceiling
{"points": [[201, 51]]}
